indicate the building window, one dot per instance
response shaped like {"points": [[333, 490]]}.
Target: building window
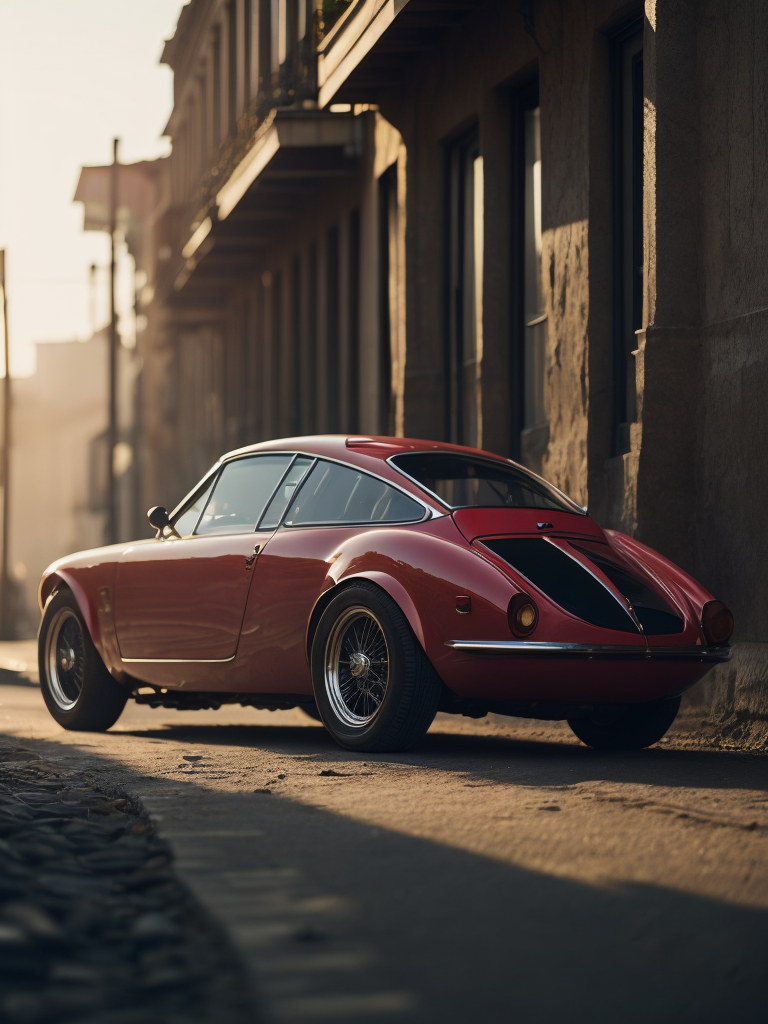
{"points": [[276, 353], [247, 50], [387, 231], [628, 256], [353, 268], [332, 328], [231, 68], [279, 29], [294, 412], [535, 432], [309, 406], [216, 86], [465, 290]]}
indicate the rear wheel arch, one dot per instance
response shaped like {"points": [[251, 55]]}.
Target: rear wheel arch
{"points": [[390, 586]]}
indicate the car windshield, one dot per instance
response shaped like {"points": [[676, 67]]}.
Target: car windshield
{"points": [[462, 481]]}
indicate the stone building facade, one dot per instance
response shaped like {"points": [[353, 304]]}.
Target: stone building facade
{"points": [[533, 227]]}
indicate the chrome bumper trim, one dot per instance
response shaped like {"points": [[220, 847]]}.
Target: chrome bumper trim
{"points": [[711, 654]]}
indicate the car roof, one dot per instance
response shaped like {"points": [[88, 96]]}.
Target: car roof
{"points": [[345, 447]]}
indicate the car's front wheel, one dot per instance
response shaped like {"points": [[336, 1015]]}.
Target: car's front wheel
{"points": [[631, 728], [77, 688], [375, 688]]}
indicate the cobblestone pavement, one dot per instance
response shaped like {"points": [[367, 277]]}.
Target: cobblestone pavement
{"points": [[500, 873], [94, 925]]}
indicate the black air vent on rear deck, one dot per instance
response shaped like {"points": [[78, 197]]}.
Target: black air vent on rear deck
{"points": [[653, 613], [563, 579]]}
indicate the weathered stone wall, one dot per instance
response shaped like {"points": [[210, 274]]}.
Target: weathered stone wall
{"points": [[731, 553]]}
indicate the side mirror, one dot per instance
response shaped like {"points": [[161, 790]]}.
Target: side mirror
{"points": [[158, 517]]}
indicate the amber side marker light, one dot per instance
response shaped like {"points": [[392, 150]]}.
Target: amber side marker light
{"points": [[716, 622], [523, 615]]}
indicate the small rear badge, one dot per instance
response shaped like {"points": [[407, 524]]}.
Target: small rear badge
{"points": [[106, 605]]}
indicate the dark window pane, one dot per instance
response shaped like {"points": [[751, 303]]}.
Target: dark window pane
{"points": [[243, 489], [564, 580], [338, 494], [461, 481], [653, 612]]}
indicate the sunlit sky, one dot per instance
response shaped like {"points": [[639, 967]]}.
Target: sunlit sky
{"points": [[73, 75]]}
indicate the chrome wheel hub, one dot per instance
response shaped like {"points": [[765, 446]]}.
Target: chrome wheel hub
{"points": [[67, 660], [359, 664], [356, 667]]}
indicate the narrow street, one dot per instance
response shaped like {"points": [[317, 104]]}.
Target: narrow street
{"points": [[501, 872]]}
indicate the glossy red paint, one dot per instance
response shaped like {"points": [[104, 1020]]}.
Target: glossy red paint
{"points": [[203, 614], [184, 598]]}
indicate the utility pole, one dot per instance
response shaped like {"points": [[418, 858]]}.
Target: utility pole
{"points": [[113, 352], [5, 597]]}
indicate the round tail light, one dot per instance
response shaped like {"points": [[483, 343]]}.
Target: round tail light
{"points": [[716, 622], [523, 615]]}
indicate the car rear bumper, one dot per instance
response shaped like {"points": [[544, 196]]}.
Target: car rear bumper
{"points": [[517, 648]]}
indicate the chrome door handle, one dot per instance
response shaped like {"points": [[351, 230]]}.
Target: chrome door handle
{"points": [[250, 559]]}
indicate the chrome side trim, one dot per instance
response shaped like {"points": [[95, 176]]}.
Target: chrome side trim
{"points": [[177, 661], [588, 650]]}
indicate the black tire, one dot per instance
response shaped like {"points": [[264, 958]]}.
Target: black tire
{"points": [[78, 690], [635, 727], [374, 686]]}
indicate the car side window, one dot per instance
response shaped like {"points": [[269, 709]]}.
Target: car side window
{"points": [[339, 494], [185, 523], [241, 494], [285, 492]]}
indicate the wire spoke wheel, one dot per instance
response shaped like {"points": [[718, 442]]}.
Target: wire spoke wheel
{"points": [[356, 667], [65, 659]]}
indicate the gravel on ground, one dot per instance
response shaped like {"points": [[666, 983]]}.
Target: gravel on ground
{"points": [[95, 928]]}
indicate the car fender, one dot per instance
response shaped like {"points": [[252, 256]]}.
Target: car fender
{"points": [[51, 583], [92, 586], [399, 595], [388, 584]]}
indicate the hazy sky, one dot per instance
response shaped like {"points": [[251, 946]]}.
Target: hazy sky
{"points": [[73, 74]]}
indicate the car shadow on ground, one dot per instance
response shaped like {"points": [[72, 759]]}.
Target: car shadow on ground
{"points": [[472, 937], [499, 759]]}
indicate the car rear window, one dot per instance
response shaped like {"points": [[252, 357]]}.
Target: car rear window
{"points": [[462, 481]]}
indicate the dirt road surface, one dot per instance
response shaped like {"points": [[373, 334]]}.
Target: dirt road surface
{"points": [[502, 873]]}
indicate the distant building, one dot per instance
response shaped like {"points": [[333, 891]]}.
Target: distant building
{"points": [[529, 226]]}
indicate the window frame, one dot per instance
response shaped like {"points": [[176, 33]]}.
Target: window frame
{"points": [[460, 151], [526, 97], [619, 36]]}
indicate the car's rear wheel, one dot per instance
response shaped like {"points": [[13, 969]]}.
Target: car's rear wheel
{"points": [[78, 690], [375, 688], [632, 728]]}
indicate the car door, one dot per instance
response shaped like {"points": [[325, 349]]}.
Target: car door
{"points": [[334, 503], [183, 598]]}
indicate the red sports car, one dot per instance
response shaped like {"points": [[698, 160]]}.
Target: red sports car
{"points": [[374, 581]]}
